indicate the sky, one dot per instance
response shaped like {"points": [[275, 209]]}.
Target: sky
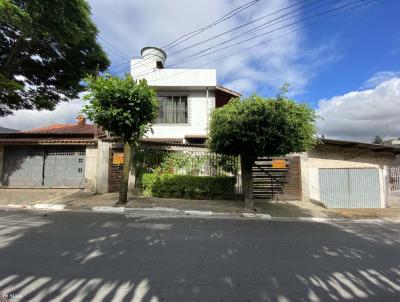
{"points": [[345, 64]]}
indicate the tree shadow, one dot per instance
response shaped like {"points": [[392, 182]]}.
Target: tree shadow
{"points": [[90, 257]]}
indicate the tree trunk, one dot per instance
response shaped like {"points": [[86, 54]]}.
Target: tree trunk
{"points": [[123, 191], [247, 182]]}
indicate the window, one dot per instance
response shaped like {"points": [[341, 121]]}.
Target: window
{"points": [[173, 110]]}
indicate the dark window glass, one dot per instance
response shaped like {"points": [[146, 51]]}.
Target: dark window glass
{"points": [[173, 110]]}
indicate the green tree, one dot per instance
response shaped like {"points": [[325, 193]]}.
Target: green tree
{"points": [[46, 48], [124, 107], [377, 140], [255, 126]]}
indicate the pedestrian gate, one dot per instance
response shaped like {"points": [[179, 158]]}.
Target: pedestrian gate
{"points": [[50, 166], [350, 188]]}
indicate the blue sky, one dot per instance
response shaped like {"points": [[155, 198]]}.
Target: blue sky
{"points": [[366, 42], [345, 66]]}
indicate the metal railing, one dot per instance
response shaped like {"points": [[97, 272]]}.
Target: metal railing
{"points": [[394, 183], [192, 162]]}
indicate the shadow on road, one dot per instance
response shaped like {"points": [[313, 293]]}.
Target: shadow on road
{"points": [[91, 257]]}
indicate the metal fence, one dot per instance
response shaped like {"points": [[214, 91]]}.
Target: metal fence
{"points": [[191, 162], [394, 172]]}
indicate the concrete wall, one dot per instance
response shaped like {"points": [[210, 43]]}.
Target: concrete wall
{"points": [[328, 156], [103, 166], [1, 164], [145, 69], [199, 108], [91, 167]]}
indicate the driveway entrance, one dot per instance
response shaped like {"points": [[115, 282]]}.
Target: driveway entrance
{"points": [[44, 166]]}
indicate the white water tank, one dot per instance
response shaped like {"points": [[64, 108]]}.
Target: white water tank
{"points": [[154, 54]]}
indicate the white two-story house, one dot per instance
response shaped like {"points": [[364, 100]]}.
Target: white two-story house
{"points": [[187, 97]]}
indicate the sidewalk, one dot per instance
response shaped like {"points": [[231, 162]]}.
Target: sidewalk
{"points": [[82, 200], [78, 199]]}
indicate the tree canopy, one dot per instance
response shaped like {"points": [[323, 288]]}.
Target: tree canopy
{"points": [[124, 107], [254, 127], [46, 48], [377, 140]]}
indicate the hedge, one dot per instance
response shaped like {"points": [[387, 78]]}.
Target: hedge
{"points": [[188, 186]]}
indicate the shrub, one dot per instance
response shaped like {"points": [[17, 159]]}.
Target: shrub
{"points": [[167, 185], [148, 182]]}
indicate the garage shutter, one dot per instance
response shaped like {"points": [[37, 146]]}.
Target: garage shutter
{"points": [[64, 167], [23, 167], [349, 188], [51, 166]]}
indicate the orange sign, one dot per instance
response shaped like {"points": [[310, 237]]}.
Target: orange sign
{"points": [[278, 164], [118, 158]]}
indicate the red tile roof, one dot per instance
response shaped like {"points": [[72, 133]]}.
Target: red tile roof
{"points": [[87, 129], [46, 141]]}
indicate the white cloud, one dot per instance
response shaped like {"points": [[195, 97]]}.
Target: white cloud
{"points": [[360, 115], [28, 119], [131, 25], [380, 77]]}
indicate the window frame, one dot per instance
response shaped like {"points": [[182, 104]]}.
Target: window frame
{"points": [[174, 95]]}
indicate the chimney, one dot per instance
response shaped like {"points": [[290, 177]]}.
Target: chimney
{"points": [[80, 120], [154, 54]]}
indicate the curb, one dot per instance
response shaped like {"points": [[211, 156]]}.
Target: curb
{"points": [[160, 209], [253, 215], [49, 206], [198, 213], [18, 206], [192, 213], [118, 210]]}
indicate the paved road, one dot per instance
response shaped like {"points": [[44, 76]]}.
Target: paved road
{"points": [[66, 256]]}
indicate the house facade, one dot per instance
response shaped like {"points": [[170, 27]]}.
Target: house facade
{"points": [[187, 97], [82, 156], [334, 173]]}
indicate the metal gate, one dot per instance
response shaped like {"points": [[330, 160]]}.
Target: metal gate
{"points": [[350, 188], [51, 166], [23, 167], [394, 186]]}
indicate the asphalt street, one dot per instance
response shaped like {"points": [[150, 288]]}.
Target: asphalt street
{"points": [[78, 256]]}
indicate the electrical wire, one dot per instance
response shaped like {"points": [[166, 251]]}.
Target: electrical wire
{"points": [[336, 12], [143, 62]]}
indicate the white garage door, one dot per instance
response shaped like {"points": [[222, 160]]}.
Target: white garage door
{"points": [[350, 188]]}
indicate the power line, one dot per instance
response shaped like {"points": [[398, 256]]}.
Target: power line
{"points": [[119, 52], [248, 23], [257, 28], [348, 8], [142, 63], [199, 55], [227, 16], [190, 35]]}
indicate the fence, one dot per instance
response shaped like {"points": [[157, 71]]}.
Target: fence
{"points": [[394, 183], [202, 163]]}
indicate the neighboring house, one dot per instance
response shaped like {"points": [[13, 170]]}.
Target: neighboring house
{"points": [[345, 174], [392, 142], [187, 97], [54, 156]]}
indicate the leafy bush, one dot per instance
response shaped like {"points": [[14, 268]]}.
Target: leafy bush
{"points": [[188, 163], [189, 186]]}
